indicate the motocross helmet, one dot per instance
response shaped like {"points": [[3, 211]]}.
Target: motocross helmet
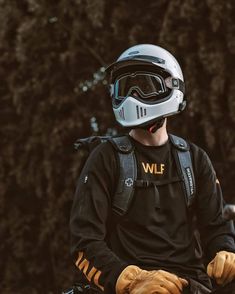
{"points": [[146, 85]]}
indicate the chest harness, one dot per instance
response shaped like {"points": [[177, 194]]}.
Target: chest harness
{"points": [[128, 168]]}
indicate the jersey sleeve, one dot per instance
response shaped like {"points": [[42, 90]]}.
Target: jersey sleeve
{"points": [[216, 233], [90, 220]]}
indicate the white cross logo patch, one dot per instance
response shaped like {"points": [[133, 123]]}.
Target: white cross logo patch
{"points": [[129, 182]]}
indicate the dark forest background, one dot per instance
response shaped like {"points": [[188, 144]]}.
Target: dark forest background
{"points": [[53, 90]]}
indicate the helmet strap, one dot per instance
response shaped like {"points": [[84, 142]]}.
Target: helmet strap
{"points": [[152, 128]]}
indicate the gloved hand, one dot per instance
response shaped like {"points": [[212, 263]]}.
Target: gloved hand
{"points": [[222, 267], [134, 280]]}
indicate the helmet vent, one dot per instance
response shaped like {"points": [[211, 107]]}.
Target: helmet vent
{"points": [[121, 113], [140, 111]]}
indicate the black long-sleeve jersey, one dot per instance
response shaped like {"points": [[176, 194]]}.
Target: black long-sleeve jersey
{"points": [[158, 230]]}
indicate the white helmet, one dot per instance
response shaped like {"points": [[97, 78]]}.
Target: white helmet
{"points": [[146, 85]]}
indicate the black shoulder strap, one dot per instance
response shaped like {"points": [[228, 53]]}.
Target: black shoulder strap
{"points": [[90, 143], [184, 166], [128, 174]]}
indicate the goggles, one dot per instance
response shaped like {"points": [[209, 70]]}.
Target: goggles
{"points": [[142, 85]]}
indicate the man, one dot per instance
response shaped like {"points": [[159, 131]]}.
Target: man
{"points": [[153, 247]]}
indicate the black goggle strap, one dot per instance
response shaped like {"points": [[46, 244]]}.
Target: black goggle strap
{"points": [[174, 83]]}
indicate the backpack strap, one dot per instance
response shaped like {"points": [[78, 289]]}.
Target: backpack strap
{"points": [[90, 143], [184, 166], [128, 174]]}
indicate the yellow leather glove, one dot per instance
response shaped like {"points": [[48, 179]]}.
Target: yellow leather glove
{"points": [[134, 280], [222, 267]]}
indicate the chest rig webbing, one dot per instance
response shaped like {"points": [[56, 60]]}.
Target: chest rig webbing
{"points": [[128, 172], [128, 168]]}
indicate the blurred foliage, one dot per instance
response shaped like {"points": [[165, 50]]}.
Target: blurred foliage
{"points": [[52, 90]]}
